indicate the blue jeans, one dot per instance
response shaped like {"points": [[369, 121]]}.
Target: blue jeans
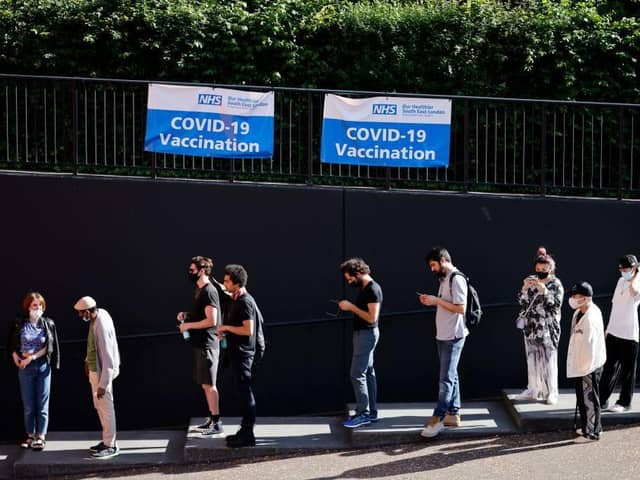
{"points": [[449, 352], [35, 385], [363, 376]]}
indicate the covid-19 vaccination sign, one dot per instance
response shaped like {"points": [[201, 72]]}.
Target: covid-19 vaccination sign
{"points": [[384, 131], [209, 122]]}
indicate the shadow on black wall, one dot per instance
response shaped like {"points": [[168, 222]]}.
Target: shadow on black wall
{"points": [[128, 243]]}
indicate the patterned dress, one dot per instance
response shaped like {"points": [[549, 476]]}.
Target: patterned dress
{"points": [[541, 339]]}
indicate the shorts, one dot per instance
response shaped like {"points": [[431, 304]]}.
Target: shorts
{"points": [[205, 365]]}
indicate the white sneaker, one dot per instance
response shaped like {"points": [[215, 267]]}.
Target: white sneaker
{"points": [[433, 428], [526, 395], [617, 408], [551, 400]]}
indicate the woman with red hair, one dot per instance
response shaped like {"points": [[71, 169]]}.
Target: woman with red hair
{"points": [[33, 346]]}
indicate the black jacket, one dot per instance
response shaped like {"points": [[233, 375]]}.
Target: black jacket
{"points": [[53, 347]]}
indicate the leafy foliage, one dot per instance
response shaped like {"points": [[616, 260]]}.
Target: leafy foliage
{"points": [[536, 48]]}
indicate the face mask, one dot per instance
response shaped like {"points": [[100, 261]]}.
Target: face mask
{"points": [[575, 304], [542, 275], [627, 275], [193, 277], [34, 315], [356, 283]]}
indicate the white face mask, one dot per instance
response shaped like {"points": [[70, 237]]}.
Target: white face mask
{"points": [[627, 275], [576, 303], [35, 315]]}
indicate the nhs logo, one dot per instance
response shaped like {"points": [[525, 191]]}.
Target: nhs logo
{"points": [[385, 109], [209, 99]]}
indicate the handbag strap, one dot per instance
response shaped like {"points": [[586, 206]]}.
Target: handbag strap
{"points": [[526, 312]]}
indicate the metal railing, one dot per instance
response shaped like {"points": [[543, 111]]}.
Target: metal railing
{"points": [[82, 125]]}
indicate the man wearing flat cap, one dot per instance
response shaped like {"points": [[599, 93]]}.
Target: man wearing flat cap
{"points": [[622, 337], [102, 366], [585, 359]]}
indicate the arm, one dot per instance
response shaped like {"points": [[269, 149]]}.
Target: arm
{"points": [[26, 361], [459, 290], [106, 345], [370, 315], [211, 314], [552, 297], [634, 288], [56, 346], [246, 330], [452, 307]]}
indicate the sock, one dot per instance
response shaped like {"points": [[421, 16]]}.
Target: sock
{"points": [[215, 418]]}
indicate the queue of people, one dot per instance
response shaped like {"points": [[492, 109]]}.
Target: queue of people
{"points": [[224, 322]]}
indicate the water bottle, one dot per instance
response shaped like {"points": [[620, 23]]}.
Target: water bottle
{"points": [[186, 335], [223, 342]]}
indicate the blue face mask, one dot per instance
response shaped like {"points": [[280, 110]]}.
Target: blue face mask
{"points": [[627, 275]]}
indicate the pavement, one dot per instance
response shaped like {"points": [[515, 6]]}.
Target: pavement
{"points": [[489, 429]]}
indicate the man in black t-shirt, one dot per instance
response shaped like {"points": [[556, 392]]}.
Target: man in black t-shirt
{"points": [[239, 328], [201, 323], [366, 312]]}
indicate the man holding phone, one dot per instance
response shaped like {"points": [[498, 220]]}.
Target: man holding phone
{"points": [[366, 311], [451, 332]]}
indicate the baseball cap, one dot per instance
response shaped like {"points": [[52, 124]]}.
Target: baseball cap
{"points": [[581, 288], [85, 303], [628, 261]]}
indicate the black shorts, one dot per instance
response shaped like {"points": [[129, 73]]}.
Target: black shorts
{"points": [[205, 365]]}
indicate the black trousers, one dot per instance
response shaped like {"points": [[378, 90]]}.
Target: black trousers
{"points": [[620, 368], [241, 365], [588, 401]]}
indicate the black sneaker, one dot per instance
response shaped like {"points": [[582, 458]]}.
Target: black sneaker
{"points": [[213, 429], [241, 440], [96, 447], [106, 452], [230, 438], [205, 425]]}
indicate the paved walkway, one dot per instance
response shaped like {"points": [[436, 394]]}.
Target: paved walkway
{"points": [[489, 432]]}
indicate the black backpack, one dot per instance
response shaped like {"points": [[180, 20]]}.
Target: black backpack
{"points": [[473, 312]]}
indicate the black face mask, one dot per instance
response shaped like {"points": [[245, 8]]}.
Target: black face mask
{"points": [[356, 283], [542, 275], [193, 276]]}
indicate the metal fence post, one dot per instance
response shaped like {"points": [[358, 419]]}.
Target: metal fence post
{"points": [[543, 154], [74, 126], [620, 154], [309, 139], [465, 146]]}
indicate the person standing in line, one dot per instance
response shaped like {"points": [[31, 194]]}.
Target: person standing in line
{"points": [[622, 338], [585, 359], [540, 301], [451, 332], [240, 330], [201, 324], [102, 366], [366, 312], [34, 348]]}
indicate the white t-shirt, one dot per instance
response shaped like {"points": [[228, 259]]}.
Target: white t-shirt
{"points": [[623, 321], [451, 325]]}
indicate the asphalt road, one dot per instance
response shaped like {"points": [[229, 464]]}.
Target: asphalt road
{"points": [[533, 456]]}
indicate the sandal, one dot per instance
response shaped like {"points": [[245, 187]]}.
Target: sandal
{"points": [[27, 442], [38, 444]]}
